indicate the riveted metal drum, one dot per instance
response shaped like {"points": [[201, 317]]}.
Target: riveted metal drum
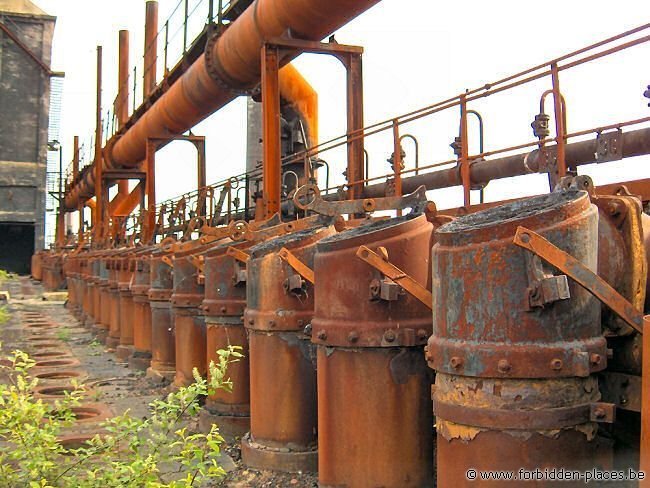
{"points": [[125, 274], [141, 358], [280, 303], [113, 339], [89, 292], [375, 425], [189, 321], [515, 345], [103, 303], [163, 336], [223, 306]]}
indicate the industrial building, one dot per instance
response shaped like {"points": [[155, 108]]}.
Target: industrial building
{"points": [[25, 82]]}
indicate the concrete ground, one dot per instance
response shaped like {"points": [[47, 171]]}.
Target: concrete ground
{"points": [[40, 325]]}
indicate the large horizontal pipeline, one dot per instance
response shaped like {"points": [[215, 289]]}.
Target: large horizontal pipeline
{"points": [[294, 89], [231, 64], [635, 143]]}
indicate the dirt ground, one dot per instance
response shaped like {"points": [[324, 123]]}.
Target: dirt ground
{"points": [[114, 387]]}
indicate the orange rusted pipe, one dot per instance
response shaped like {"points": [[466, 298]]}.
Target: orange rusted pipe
{"points": [[235, 62], [150, 47], [128, 204], [296, 90]]}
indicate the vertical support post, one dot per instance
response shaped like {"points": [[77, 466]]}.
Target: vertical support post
{"points": [[98, 226], [80, 236], [397, 161], [75, 158], [464, 153], [210, 11], [271, 166], [356, 171], [560, 130], [122, 109], [644, 461], [150, 218], [123, 94], [60, 218], [75, 174], [166, 44], [202, 181], [185, 15], [150, 48], [135, 84]]}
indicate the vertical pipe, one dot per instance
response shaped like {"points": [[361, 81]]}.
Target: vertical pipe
{"points": [[150, 48], [151, 190], [75, 174], [464, 153], [559, 123], [202, 182], [99, 186], [271, 131], [75, 158], [166, 44], [122, 109], [185, 15], [397, 161], [355, 123]]}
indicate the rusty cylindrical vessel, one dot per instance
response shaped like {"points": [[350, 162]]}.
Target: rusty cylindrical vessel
{"points": [[103, 302], [89, 292], [280, 304], [112, 263], [375, 425], [189, 321], [163, 336], [514, 364], [125, 274], [141, 358], [223, 306]]}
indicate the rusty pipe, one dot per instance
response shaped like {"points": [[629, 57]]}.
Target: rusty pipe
{"points": [[297, 91], [150, 48], [234, 62], [635, 143]]}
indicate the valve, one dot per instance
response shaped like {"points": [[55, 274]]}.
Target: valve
{"points": [[391, 160], [456, 146], [540, 126]]}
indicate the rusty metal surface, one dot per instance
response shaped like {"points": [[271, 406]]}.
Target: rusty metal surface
{"points": [[487, 255], [374, 418], [505, 343], [349, 309], [280, 304], [191, 345], [163, 337], [375, 426], [416, 201], [581, 274]]}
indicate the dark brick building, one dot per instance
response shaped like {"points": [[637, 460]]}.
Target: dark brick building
{"points": [[25, 54]]}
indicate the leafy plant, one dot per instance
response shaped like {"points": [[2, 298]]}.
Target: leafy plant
{"points": [[154, 452]]}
